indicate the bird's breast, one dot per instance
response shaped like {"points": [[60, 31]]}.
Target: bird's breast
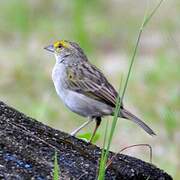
{"points": [[59, 76]]}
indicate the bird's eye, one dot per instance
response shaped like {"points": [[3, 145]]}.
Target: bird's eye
{"points": [[60, 46]]}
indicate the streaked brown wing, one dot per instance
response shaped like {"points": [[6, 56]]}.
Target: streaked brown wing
{"points": [[88, 80]]}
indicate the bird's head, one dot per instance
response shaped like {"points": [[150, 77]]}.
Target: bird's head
{"points": [[63, 49]]}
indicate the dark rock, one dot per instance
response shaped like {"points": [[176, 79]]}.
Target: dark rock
{"points": [[27, 148]]}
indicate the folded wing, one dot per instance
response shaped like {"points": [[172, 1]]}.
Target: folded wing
{"points": [[89, 81]]}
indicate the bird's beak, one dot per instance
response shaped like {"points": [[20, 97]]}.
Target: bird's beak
{"points": [[50, 48]]}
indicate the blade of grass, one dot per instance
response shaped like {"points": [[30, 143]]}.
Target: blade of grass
{"points": [[104, 154], [119, 101], [56, 168], [146, 19], [102, 162]]}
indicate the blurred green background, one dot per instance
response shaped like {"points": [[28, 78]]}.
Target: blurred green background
{"points": [[107, 31]]}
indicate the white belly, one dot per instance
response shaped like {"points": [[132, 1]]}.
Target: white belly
{"points": [[86, 106], [77, 102]]}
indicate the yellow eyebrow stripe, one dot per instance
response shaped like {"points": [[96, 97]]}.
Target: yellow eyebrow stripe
{"points": [[62, 43]]}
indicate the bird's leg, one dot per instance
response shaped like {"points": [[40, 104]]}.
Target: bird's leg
{"points": [[81, 127], [98, 122]]}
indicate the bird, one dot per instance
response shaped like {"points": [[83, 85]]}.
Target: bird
{"points": [[84, 89]]}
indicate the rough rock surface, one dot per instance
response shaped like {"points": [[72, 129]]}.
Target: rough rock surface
{"points": [[27, 149]]}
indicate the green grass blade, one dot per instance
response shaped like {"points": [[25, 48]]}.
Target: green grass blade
{"points": [[146, 19], [105, 153], [56, 168], [102, 161]]}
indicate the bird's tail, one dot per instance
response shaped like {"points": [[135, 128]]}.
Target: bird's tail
{"points": [[127, 115]]}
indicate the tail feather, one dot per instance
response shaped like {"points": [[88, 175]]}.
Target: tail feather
{"points": [[127, 115]]}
